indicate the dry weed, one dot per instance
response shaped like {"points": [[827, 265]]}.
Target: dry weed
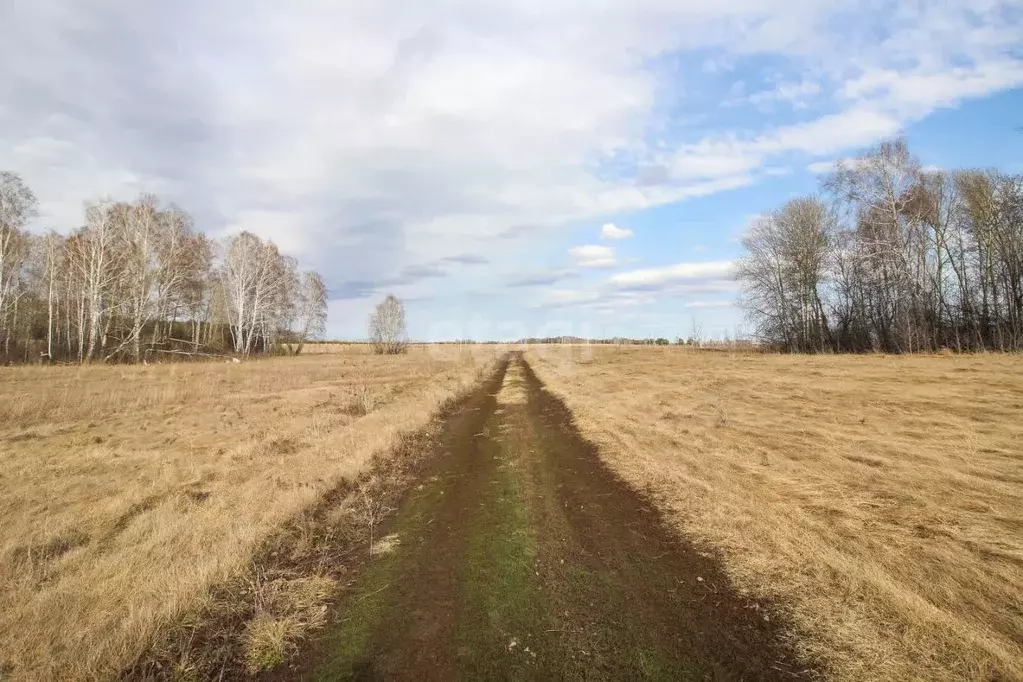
{"points": [[362, 400]]}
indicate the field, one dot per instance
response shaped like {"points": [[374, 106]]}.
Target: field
{"points": [[878, 497], [127, 491], [609, 511]]}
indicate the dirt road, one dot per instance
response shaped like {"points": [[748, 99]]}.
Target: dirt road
{"points": [[520, 556]]}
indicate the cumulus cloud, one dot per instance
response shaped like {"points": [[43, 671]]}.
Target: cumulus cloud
{"points": [[593, 256], [612, 231]]}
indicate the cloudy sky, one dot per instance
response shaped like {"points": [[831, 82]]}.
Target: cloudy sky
{"points": [[524, 167]]}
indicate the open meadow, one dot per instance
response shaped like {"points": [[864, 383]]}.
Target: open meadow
{"points": [[768, 516], [878, 499], [126, 492]]}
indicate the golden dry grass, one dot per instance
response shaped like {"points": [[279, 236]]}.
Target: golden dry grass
{"points": [[126, 492], [879, 498]]}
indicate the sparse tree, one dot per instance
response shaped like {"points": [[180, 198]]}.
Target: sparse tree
{"points": [[387, 327], [18, 205], [783, 271], [255, 285], [312, 308]]}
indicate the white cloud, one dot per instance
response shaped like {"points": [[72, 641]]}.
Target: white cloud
{"points": [[709, 304], [821, 167], [612, 231], [570, 296], [728, 159], [561, 298], [593, 256], [854, 127], [798, 94], [708, 273], [918, 92]]}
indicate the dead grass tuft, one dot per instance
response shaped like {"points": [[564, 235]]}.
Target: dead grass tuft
{"points": [[286, 610], [361, 401]]}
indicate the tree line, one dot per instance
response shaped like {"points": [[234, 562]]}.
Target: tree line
{"points": [[890, 257], [138, 280]]}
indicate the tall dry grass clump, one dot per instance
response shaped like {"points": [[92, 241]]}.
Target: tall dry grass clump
{"points": [[127, 491], [877, 497]]}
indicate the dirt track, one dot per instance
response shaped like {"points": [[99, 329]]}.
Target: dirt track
{"points": [[521, 556]]}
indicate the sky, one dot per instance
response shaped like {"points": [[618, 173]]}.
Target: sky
{"points": [[508, 169]]}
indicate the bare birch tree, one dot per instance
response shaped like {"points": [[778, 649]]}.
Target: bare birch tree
{"points": [[101, 265], [138, 279], [18, 205], [312, 308], [387, 327]]}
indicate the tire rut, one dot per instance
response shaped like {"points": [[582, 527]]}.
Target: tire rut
{"points": [[522, 556], [634, 600]]}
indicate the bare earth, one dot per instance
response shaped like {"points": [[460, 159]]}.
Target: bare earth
{"points": [[521, 556]]}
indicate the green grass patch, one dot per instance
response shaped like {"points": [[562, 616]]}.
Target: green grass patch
{"points": [[373, 596], [501, 613]]}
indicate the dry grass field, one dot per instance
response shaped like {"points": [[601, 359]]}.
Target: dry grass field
{"points": [[874, 499], [879, 499], [127, 491]]}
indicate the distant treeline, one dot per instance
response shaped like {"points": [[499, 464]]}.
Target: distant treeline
{"points": [[618, 340], [626, 341], [890, 257], [136, 281]]}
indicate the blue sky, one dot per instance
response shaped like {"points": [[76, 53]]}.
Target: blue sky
{"points": [[467, 155]]}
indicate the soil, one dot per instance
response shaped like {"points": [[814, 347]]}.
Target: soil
{"points": [[517, 554]]}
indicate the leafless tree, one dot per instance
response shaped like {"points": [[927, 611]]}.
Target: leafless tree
{"points": [[783, 272], [138, 279], [261, 289], [18, 205], [52, 263], [101, 265], [196, 290], [901, 260], [387, 327], [312, 308]]}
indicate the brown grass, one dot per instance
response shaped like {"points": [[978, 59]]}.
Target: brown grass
{"points": [[127, 492], [880, 499]]}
